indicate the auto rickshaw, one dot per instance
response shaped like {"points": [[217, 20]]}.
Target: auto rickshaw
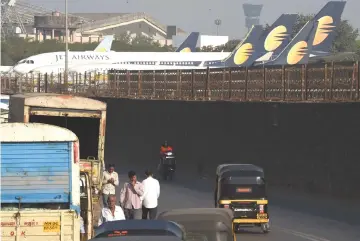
{"points": [[242, 189], [140, 230], [203, 224]]}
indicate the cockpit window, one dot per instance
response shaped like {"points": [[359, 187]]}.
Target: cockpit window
{"points": [[30, 61]]}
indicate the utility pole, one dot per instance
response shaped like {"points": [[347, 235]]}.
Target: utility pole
{"points": [[217, 23], [66, 74]]}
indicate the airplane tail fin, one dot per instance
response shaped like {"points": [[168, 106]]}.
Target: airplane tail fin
{"points": [[298, 50], [278, 36], [243, 54], [329, 18], [189, 44], [105, 44]]}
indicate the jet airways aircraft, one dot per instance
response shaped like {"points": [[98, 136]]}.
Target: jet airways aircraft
{"points": [[273, 39], [237, 55], [247, 53], [299, 49], [104, 46], [54, 61], [329, 17]]}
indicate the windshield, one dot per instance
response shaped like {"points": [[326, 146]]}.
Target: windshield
{"points": [[4, 101]]}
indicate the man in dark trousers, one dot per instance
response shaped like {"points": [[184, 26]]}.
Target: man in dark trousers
{"points": [[150, 196]]}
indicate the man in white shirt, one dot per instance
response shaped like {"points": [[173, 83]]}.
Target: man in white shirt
{"points": [[150, 196], [110, 181], [112, 212]]}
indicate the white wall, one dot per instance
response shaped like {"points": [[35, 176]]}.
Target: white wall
{"points": [[207, 40]]}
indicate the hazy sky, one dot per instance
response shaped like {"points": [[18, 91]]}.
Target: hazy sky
{"points": [[199, 15]]}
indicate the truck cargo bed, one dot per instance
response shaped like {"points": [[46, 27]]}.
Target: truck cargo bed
{"points": [[40, 225]]}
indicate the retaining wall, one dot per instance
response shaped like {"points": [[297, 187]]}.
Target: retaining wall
{"points": [[310, 147]]}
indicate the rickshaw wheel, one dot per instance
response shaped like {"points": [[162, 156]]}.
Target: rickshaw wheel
{"points": [[236, 228], [265, 227]]}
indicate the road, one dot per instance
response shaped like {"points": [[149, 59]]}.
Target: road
{"points": [[286, 225]]}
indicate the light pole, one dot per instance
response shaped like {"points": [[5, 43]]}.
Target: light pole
{"points": [[66, 74], [217, 23]]}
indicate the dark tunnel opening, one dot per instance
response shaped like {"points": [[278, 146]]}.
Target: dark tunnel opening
{"points": [[312, 147], [86, 129]]}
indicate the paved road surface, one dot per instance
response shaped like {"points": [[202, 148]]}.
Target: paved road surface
{"points": [[286, 225]]}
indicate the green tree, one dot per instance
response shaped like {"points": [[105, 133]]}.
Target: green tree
{"points": [[228, 47]]}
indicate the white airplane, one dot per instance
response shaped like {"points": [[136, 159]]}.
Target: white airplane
{"points": [[4, 102], [256, 39], [104, 46], [258, 47], [43, 62], [169, 59]]}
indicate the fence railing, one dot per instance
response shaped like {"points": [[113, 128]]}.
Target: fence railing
{"points": [[306, 83]]}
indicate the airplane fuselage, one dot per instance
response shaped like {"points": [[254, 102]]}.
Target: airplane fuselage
{"points": [[139, 58]]}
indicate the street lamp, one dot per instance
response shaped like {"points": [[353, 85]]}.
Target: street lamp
{"points": [[217, 23], [66, 74]]}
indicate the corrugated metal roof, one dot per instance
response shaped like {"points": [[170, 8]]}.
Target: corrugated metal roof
{"points": [[103, 19], [98, 16]]}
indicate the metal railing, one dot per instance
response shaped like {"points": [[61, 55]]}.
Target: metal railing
{"points": [[330, 82]]}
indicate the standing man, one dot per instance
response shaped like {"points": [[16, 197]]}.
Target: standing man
{"points": [[110, 181], [130, 197], [111, 212], [150, 196]]}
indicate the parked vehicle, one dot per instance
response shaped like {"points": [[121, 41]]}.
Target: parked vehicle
{"points": [[40, 182], [85, 117]]}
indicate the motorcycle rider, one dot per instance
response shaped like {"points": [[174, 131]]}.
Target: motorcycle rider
{"points": [[164, 149], [165, 165]]}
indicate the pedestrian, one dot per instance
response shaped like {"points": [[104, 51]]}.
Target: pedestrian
{"points": [[130, 197], [110, 181], [150, 196], [112, 212]]}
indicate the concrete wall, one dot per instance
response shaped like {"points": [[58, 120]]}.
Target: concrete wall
{"points": [[308, 147]]}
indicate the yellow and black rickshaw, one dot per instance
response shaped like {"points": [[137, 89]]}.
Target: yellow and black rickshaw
{"points": [[242, 188]]}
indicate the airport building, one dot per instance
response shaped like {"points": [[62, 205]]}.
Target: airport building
{"points": [[90, 27], [26, 20], [33, 22]]}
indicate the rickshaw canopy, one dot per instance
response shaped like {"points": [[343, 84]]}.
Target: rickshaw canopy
{"points": [[203, 223]]}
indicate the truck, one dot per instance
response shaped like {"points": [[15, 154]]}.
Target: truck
{"points": [[40, 183], [84, 116]]}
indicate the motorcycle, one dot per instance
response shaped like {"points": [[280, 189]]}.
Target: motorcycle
{"points": [[167, 165]]}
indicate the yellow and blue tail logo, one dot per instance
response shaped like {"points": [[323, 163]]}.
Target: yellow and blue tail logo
{"points": [[329, 18], [298, 50], [189, 44], [105, 44]]}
